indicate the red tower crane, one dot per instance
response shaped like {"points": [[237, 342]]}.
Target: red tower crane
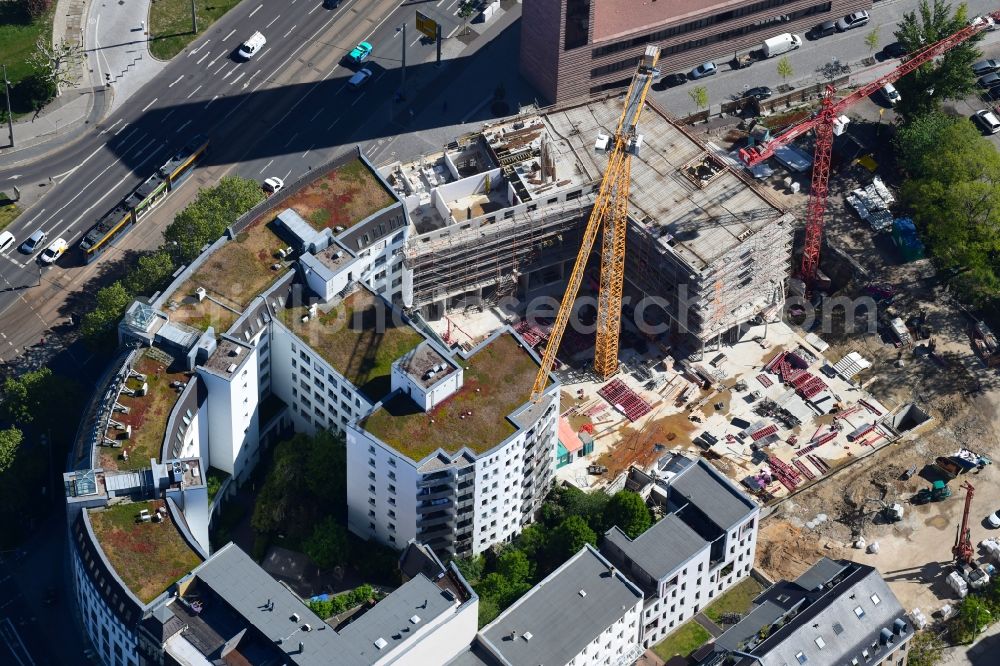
{"points": [[963, 540], [823, 123]]}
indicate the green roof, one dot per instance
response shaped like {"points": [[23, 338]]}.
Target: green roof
{"points": [[353, 340], [147, 556], [497, 380]]}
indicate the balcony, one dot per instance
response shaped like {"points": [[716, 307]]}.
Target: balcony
{"points": [[437, 478], [438, 532], [437, 492], [443, 519], [436, 505]]}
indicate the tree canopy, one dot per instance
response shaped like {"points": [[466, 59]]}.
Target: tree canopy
{"points": [[10, 444], [112, 301], [628, 511], [38, 397], [947, 77], [570, 536], [327, 546], [207, 217]]}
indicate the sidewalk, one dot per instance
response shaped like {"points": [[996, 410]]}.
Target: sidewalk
{"points": [[116, 64]]}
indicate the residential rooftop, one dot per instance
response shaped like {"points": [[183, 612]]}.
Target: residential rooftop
{"points": [[423, 359], [662, 548], [713, 494], [498, 379], [343, 197], [228, 356], [360, 338], [556, 619], [148, 556]]}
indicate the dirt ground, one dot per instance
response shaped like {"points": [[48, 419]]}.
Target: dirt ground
{"points": [[951, 385]]}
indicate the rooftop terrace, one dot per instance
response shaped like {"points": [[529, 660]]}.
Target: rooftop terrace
{"points": [[232, 276], [497, 380], [342, 198], [358, 338], [148, 414], [147, 556]]}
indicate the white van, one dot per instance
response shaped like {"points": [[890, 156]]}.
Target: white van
{"points": [[252, 45], [987, 120], [891, 94], [784, 43], [6, 240]]}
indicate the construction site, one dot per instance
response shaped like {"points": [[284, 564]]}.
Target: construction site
{"points": [[841, 433]]}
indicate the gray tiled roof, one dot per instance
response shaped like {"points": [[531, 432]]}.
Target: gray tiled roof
{"points": [[559, 619], [820, 573], [713, 494], [662, 548]]}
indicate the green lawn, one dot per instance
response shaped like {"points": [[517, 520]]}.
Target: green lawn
{"points": [[18, 35], [688, 638], [8, 211], [736, 600], [170, 23]]}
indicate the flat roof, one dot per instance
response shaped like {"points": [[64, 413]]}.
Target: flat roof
{"points": [[554, 621], [227, 358], [419, 361], [681, 192], [147, 556], [662, 548], [498, 379], [360, 338], [713, 494]]}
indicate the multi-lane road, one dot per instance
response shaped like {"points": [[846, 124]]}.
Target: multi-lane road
{"points": [[285, 111]]}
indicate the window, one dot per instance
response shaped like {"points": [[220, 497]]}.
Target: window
{"points": [[875, 599], [577, 24], [859, 611], [820, 643], [801, 657]]}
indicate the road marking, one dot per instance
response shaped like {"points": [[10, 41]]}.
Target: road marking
{"points": [[415, 41], [255, 10], [97, 45], [313, 10], [316, 115], [230, 33], [290, 30], [17, 175], [176, 81], [233, 82], [333, 123], [371, 150], [193, 92], [291, 139], [360, 97], [169, 113], [221, 67], [211, 100], [307, 151], [227, 75], [287, 175], [198, 62], [247, 83], [120, 130], [108, 128], [146, 108], [265, 166], [181, 128], [263, 53], [200, 47], [272, 21]]}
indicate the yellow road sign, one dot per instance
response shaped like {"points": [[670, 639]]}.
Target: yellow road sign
{"points": [[427, 25]]}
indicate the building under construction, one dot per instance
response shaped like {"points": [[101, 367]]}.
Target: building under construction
{"points": [[501, 212]]}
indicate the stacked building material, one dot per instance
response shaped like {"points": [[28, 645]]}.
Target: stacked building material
{"points": [[763, 432], [805, 470], [786, 474], [625, 399]]}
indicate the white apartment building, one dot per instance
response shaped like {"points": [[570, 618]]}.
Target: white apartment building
{"points": [[702, 547], [457, 456], [585, 612]]}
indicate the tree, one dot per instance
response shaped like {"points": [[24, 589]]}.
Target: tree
{"points": [[471, 567], [515, 566], [208, 216], [785, 69], [699, 96], [58, 63], [871, 40], [570, 537], [37, 397], [918, 138], [326, 471], [533, 541], [925, 649], [36, 8], [327, 546], [947, 77], [10, 444], [108, 311], [150, 273], [628, 511], [973, 617], [32, 92]]}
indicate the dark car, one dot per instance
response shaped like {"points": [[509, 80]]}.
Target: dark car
{"points": [[894, 50], [672, 80], [760, 92], [993, 94], [331, 4], [824, 29]]}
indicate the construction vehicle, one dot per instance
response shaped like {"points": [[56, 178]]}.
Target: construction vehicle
{"points": [[962, 549], [609, 215], [937, 492], [830, 121], [892, 513]]}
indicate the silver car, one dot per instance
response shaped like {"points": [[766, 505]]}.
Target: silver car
{"points": [[853, 20], [703, 70]]}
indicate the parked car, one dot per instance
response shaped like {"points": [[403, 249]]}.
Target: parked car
{"points": [[994, 519], [890, 94], [360, 52], [33, 241], [53, 251], [703, 70], [824, 29], [6, 240], [993, 94], [987, 120], [672, 80], [984, 67], [989, 80], [273, 185], [853, 20], [360, 78], [760, 92], [894, 50], [331, 4]]}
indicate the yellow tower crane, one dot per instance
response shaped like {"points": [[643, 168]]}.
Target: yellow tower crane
{"points": [[610, 211]]}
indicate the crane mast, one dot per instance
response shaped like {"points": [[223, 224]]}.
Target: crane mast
{"points": [[824, 124], [963, 550], [610, 214]]}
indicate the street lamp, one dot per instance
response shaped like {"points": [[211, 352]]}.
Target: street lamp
{"points": [[10, 116]]}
